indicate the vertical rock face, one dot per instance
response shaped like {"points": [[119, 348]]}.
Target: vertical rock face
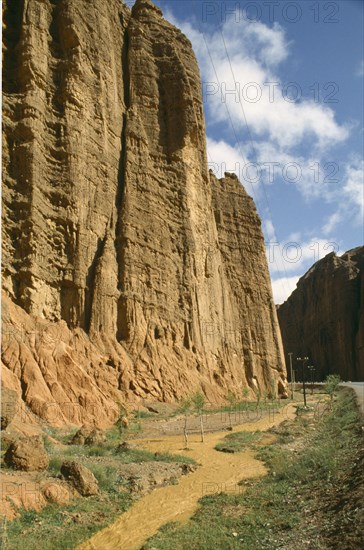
{"points": [[112, 222], [252, 307], [64, 110], [324, 317]]}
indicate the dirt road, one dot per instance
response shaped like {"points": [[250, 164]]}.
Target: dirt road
{"points": [[218, 472]]}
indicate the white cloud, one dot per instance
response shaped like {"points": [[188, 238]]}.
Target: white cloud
{"points": [[313, 178], [354, 187], [283, 288], [269, 231], [222, 157], [349, 197], [308, 174], [243, 59], [294, 256], [274, 48], [332, 222], [360, 69]]}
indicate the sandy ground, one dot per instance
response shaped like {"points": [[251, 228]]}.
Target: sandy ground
{"points": [[213, 422], [219, 472]]}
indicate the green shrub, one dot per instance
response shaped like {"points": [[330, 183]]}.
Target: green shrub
{"points": [[237, 441], [48, 445], [55, 464], [332, 384], [108, 477]]}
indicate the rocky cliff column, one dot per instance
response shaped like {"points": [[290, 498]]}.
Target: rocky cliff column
{"points": [[323, 317]]}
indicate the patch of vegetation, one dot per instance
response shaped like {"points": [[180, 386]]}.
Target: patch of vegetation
{"points": [[48, 445], [288, 505], [74, 452], [113, 434], [238, 441], [61, 434], [145, 415], [63, 528], [135, 427], [85, 453], [137, 455], [332, 383], [55, 464], [4, 445], [108, 477]]}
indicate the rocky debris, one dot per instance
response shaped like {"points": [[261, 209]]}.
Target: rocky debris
{"points": [[130, 283], [152, 410], [57, 492], [27, 453], [227, 450], [20, 491], [89, 435], [81, 435], [67, 377], [82, 479], [141, 479], [9, 400], [6, 439], [188, 468], [125, 447], [324, 317]]}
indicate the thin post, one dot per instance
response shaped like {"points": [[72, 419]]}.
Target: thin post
{"points": [[304, 360], [304, 384], [290, 362]]}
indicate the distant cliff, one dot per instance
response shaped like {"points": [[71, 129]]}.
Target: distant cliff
{"points": [[134, 269], [324, 317]]}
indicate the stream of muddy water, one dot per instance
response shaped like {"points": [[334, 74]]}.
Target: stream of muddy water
{"points": [[218, 472]]}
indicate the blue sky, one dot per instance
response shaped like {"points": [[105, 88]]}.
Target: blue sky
{"points": [[292, 125]]}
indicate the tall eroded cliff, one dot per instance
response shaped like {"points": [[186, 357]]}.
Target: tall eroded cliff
{"points": [[324, 317], [113, 225]]}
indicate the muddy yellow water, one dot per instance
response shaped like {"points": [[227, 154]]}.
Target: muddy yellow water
{"points": [[218, 472]]}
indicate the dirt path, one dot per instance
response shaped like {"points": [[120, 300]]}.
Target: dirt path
{"points": [[218, 472]]}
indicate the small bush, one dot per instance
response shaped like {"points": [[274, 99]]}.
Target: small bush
{"points": [[48, 445], [235, 442], [98, 450], [108, 477], [136, 455], [145, 415], [55, 464], [332, 384]]}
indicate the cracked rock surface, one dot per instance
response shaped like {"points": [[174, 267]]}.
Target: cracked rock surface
{"points": [[130, 271], [324, 316]]}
